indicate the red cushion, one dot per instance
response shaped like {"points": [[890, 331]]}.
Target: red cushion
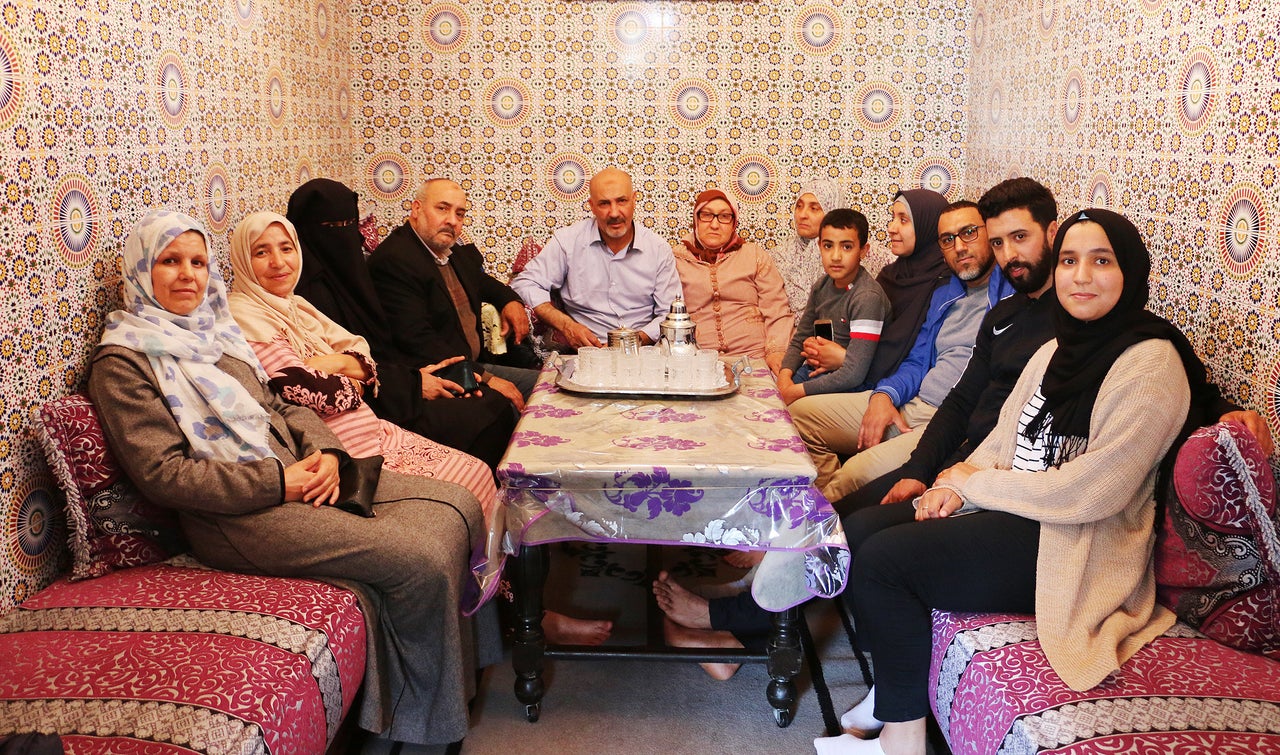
{"points": [[110, 526], [1217, 564]]}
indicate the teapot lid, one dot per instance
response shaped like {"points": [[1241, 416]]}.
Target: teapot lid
{"points": [[678, 317]]}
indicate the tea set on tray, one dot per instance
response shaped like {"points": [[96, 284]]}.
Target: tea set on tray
{"points": [[673, 367]]}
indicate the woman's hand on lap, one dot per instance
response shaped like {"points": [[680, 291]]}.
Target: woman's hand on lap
{"points": [[956, 475], [338, 364], [323, 487], [937, 503], [312, 480]]}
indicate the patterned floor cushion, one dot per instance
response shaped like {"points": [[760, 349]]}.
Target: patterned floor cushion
{"points": [[993, 692], [177, 658]]}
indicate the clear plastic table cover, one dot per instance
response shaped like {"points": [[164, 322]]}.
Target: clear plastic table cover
{"points": [[728, 472]]}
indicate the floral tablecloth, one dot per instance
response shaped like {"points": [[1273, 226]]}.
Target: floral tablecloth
{"points": [[727, 472]]}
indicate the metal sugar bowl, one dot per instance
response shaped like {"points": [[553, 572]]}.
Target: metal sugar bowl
{"points": [[679, 331]]}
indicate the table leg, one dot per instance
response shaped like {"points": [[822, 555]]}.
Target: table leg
{"points": [[528, 573], [783, 664]]}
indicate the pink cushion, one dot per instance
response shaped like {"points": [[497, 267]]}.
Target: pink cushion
{"points": [[110, 526], [1217, 559], [993, 690], [528, 250], [144, 658]]}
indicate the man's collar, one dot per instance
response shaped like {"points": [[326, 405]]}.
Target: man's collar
{"points": [[439, 259], [631, 244]]}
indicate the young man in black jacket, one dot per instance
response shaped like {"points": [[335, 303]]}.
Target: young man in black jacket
{"points": [[1021, 217]]}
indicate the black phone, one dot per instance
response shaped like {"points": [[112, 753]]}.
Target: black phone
{"points": [[823, 329], [463, 373]]}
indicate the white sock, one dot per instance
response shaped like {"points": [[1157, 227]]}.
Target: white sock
{"points": [[861, 717], [847, 744]]}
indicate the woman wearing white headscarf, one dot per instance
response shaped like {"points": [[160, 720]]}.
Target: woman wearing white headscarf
{"points": [[797, 256], [188, 412]]}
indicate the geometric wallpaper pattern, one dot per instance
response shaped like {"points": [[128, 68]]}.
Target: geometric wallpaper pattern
{"points": [[1166, 111], [1170, 113], [108, 109], [525, 101]]}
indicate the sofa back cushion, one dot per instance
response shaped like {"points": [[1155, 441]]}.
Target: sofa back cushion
{"points": [[1217, 551], [110, 526]]}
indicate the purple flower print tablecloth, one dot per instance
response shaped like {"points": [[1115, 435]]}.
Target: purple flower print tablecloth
{"points": [[728, 472]]}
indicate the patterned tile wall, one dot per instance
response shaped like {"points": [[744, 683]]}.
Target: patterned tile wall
{"points": [[1165, 110], [1170, 113], [111, 108], [522, 101]]}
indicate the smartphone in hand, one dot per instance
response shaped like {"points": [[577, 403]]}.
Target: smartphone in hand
{"points": [[823, 329]]}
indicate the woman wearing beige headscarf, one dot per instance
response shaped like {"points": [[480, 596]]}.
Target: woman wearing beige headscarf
{"points": [[314, 362], [731, 287]]}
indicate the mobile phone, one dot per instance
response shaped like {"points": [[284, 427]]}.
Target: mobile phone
{"points": [[823, 329], [463, 373]]}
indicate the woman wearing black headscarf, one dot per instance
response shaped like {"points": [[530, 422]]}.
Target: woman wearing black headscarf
{"points": [[1061, 495], [909, 281], [334, 279]]}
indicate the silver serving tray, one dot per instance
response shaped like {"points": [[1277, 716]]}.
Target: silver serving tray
{"points": [[565, 366]]}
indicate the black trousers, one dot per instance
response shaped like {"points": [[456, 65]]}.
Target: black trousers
{"points": [[744, 618], [868, 495], [985, 561]]}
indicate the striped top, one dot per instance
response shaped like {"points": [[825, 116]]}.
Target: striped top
{"points": [[362, 433], [1029, 454]]}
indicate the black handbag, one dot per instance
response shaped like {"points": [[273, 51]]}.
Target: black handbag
{"points": [[357, 484]]}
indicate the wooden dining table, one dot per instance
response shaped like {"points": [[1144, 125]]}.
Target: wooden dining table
{"points": [[726, 471]]}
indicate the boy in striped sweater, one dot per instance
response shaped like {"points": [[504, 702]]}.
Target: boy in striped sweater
{"points": [[849, 298]]}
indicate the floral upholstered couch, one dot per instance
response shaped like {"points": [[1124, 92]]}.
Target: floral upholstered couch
{"points": [[136, 650], [1211, 684]]}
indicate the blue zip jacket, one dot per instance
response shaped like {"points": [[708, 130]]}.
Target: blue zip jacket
{"points": [[903, 385]]}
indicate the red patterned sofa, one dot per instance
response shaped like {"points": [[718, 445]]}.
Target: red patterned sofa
{"points": [[1218, 566], [137, 652]]}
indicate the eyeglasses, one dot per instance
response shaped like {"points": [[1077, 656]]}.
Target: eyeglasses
{"points": [[968, 233], [706, 216]]}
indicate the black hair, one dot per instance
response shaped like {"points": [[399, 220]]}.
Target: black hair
{"points": [[959, 204], [844, 218], [1019, 193]]}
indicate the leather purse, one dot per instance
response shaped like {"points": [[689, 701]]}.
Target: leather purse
{"points": [[357, 484]]}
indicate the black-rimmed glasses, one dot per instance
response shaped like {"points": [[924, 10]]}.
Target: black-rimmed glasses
{"points": [[968, 233], [706, 216]]}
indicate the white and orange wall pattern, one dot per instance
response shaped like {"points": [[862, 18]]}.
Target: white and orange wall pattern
{"points": [[1167, 111]]}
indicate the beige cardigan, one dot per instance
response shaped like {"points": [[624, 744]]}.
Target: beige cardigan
{"points": [[1095, 584]]}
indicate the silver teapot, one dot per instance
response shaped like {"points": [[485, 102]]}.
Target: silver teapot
{"points": [[678, 331]]}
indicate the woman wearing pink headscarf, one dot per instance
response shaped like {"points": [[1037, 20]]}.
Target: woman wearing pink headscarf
{"points": [[733, 291]]}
